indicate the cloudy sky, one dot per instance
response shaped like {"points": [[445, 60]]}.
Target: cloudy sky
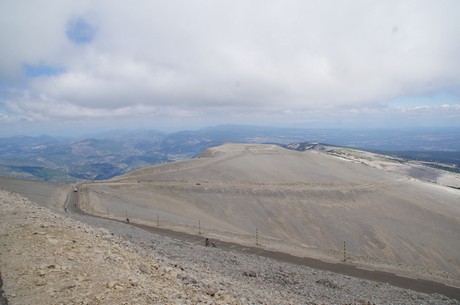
{"points": [[76, 66]]}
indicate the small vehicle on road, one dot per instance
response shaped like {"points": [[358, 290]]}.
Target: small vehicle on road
{"points": [[75, 189]]}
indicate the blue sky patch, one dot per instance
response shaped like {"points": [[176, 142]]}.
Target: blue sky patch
{"points": [[80, 31], [42, 70]]}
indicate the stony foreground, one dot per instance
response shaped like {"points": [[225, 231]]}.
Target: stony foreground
{"points": [[49, 258]]}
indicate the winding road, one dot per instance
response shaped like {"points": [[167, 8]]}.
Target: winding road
{"points": [[72, 206]]}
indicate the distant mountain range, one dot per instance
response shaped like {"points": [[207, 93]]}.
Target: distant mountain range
{"points": [[106, 155]]}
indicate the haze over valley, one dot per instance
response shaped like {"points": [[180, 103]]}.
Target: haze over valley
{"points": [[102, 156]]}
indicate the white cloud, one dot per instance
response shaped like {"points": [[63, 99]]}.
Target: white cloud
{"points": [[264, 60]]}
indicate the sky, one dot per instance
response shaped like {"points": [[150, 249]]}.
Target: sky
{"points": [[70, 67]]}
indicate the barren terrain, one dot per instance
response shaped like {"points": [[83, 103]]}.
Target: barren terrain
{"points": [[306, 203], [50, 258]]}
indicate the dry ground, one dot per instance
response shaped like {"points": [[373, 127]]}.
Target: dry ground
{"points": [[50, 258], [47, 258], [307, 203], [43, 193]]}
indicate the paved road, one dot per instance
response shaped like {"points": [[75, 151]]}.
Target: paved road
{"points": [[71, 202], [420, 285]]}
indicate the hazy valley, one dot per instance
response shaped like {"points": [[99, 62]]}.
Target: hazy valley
{"points": [[102, 156]]}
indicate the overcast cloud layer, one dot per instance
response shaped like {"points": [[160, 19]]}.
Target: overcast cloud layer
{"points": [[185, 64]]}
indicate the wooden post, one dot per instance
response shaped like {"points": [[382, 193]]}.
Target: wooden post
{"points": [[257, 237], [158, 220], [344, 252], [108, 212], [199, 227]]}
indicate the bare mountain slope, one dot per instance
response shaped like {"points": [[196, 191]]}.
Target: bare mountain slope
{"points": [[307, 201], [43, 193]]}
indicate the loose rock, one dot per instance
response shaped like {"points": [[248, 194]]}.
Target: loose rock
{"points": [[87, 260]]}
